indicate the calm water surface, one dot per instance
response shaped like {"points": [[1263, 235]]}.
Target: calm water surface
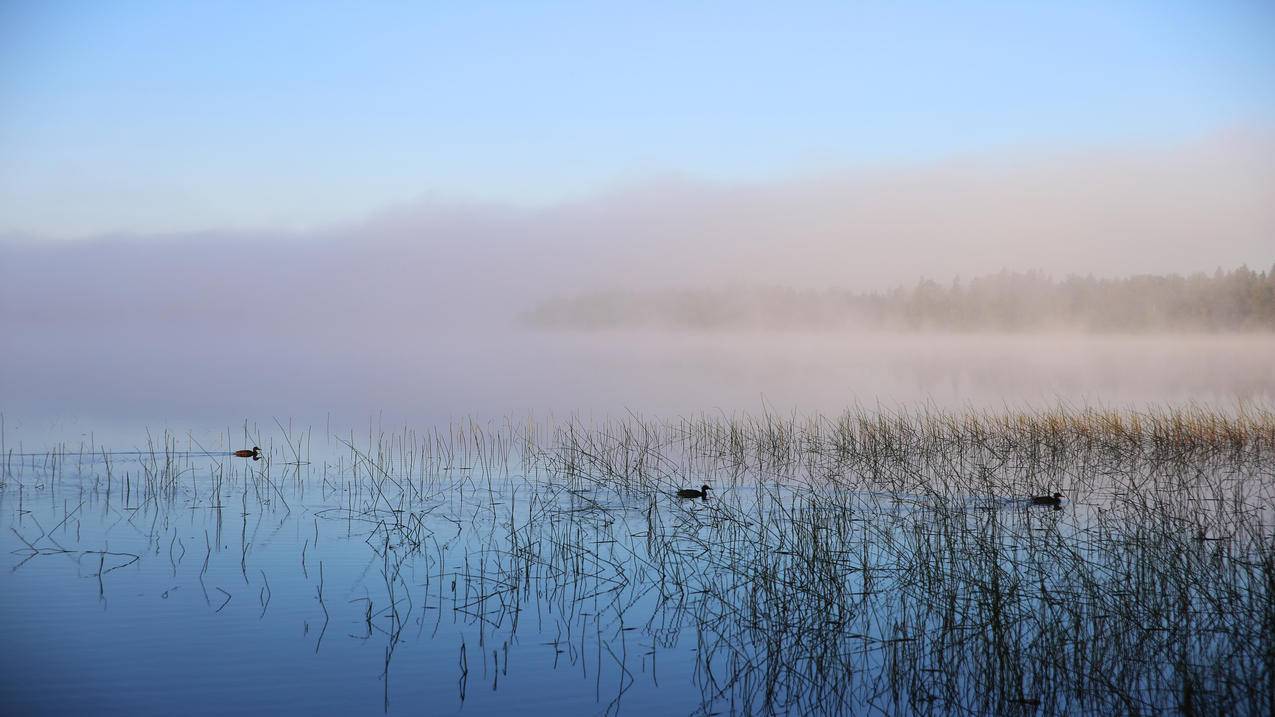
{"points": [[488, 570]]}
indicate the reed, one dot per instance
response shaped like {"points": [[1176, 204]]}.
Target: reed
{"points": [[872, 560]]}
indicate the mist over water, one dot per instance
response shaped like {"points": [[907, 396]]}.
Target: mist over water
{"points": [[68, 385], [530, 358], [413, 315]]}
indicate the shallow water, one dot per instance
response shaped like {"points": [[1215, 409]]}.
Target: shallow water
{"points": [[484, 572]]}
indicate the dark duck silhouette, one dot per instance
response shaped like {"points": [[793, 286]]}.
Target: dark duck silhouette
{"points": [[691, 493], [254, 454], [1054, 500]]}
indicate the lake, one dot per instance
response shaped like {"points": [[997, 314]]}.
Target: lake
{"points": [[873, 560], [114, 383]]}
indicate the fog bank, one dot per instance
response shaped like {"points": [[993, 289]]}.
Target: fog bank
{"points": [[414, 309], [1168, 210]]}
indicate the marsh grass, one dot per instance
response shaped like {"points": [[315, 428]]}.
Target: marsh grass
{"points": [[868, 561]]}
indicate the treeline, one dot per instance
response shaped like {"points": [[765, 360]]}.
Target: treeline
{"points": [[1240, 300]]}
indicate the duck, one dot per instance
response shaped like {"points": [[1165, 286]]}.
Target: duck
{"points": [[1054, 500], [691, 493], [254, 454]]}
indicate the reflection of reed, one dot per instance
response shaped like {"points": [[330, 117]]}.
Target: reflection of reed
{"points": [[882, 560], [867, 561]]}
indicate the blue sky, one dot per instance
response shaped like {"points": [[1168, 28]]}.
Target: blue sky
{"points": [[169, 116]]}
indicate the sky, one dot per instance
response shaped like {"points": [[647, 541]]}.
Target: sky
{"points": [[156, 117]]}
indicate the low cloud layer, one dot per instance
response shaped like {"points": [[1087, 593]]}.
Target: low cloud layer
{"points": [[1187, 208], [417, 308]]}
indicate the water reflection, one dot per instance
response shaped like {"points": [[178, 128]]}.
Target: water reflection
{"points": [[54, 390], [844, 564]]}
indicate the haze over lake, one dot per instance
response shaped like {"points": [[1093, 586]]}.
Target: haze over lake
{"points": [[73, 384], [419, 313], [557, 358]]}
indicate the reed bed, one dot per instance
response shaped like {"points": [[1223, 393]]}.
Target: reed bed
{"points": [[887, 561]]}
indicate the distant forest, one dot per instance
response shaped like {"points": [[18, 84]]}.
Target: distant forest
{"points": [[1240, 300]]}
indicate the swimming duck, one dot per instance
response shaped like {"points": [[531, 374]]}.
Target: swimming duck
{"points": [[1054, 500], [254, 454], [692, 493]]}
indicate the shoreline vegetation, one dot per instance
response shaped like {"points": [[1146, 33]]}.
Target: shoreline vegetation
{"points": [[1238, 301], [867, 561]]}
